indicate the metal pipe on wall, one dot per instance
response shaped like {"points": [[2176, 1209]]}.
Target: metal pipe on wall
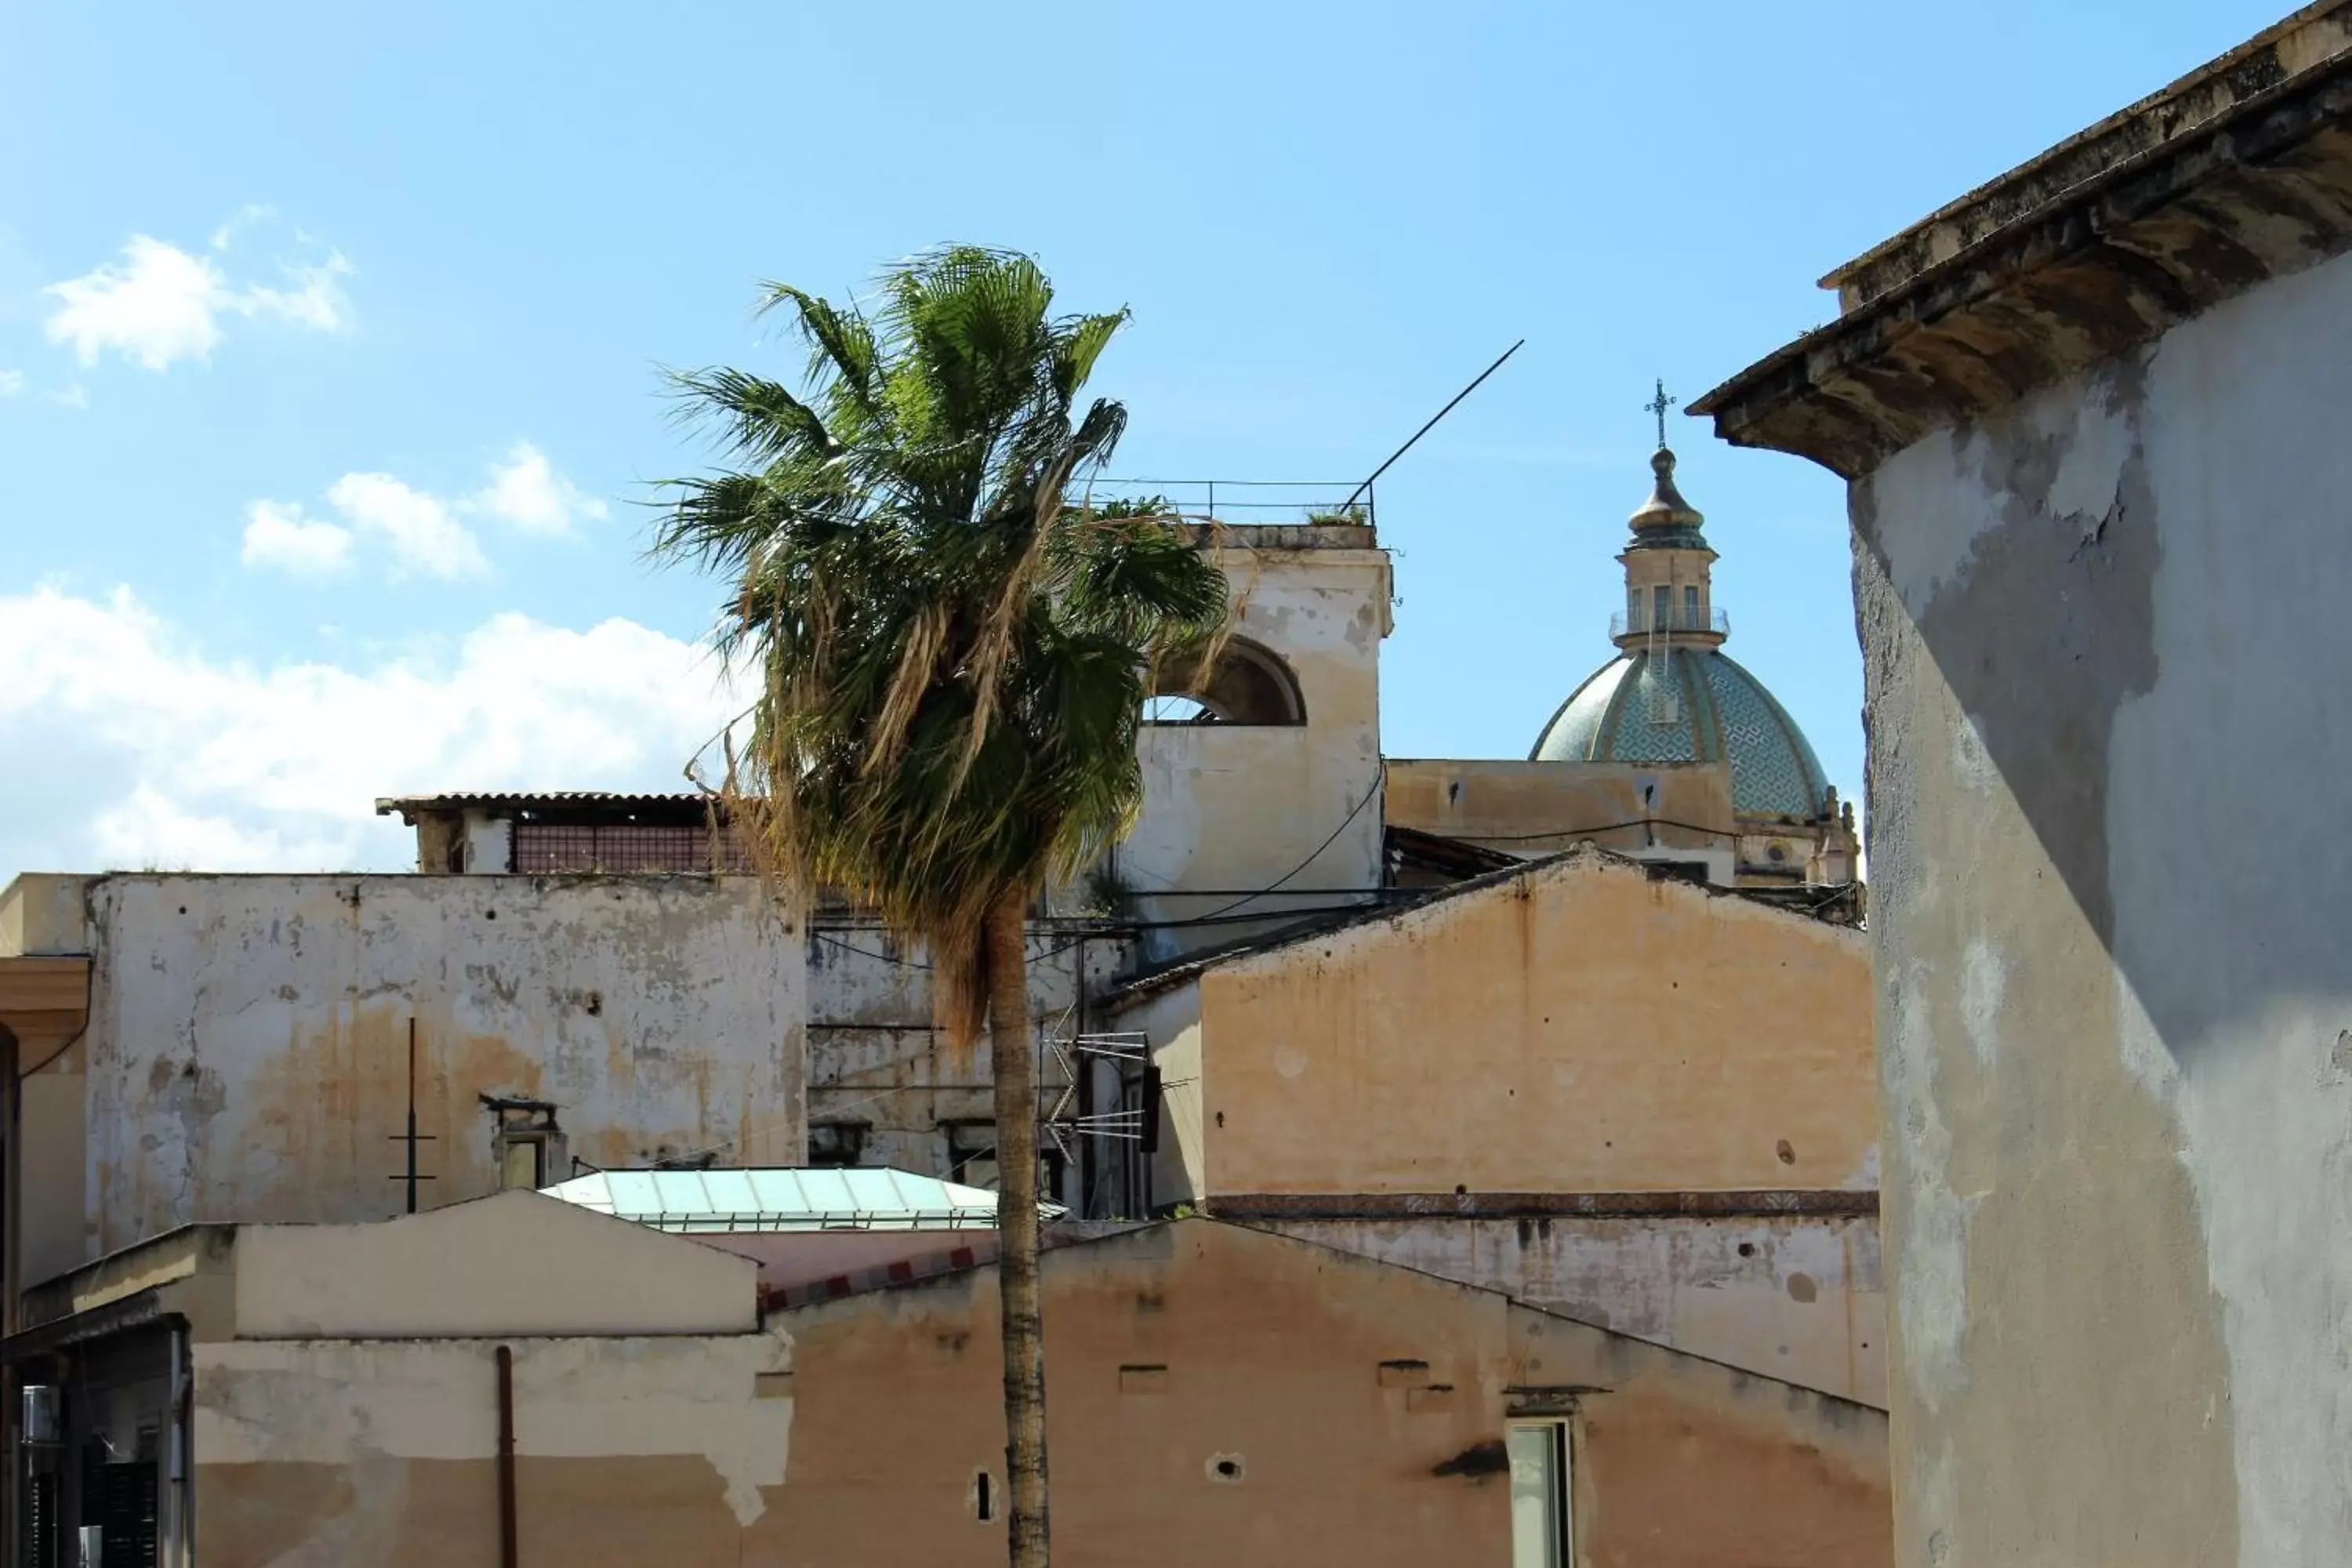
{"points": [[508, 1557]]}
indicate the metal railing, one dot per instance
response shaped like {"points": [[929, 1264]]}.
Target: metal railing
{"points": [[1677, 619], [1252, 501]]}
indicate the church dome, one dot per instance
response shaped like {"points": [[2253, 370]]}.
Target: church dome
{"points": [[1672, 695], [1681, 703]]}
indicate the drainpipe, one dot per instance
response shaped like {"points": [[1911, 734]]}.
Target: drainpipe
{"points": [[506, 1553], [178, 1516]]}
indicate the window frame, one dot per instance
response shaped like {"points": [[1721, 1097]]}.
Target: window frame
{"points": [[1560, 1433]]}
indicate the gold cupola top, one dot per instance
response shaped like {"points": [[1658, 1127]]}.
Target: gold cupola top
{"points": [[1666, 521]]}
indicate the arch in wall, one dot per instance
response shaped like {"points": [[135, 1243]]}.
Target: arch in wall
{"points": [[1251, 685]]}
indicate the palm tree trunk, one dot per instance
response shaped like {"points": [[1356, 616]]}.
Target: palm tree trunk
{"points": [[1015, 1061]]}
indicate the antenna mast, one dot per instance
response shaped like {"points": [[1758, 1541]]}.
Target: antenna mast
{"points": [[1433, 418]]}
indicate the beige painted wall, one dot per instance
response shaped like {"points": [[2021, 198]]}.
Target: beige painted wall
{"points": [[42, 913], [1172, 1349], [1237, 807], [52, 1120], [514, 1263], [1577, 1026], [1540, 808], [247, 1059]]}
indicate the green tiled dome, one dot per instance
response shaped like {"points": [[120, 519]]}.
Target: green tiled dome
{"points": [[1690, 704]]}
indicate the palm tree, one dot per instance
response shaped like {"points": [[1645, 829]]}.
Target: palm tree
{"points": [[953, 651]]}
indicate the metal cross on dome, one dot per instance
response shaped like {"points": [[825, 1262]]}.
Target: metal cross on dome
{"points": [[1658, 405]]}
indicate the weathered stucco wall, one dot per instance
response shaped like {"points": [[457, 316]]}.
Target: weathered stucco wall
{"points": [[248, 1055], [1358, 1410], [2098, 629], [1795, 1296], [1577, 1026], [1230, 809], [628, 1451]]}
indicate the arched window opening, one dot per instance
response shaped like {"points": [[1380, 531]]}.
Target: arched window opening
{"points": [[1251, 686]]}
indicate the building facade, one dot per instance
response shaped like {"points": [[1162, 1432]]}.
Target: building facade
{"points": [[2091, 416], [1218, 1393], [1584, 1082]]}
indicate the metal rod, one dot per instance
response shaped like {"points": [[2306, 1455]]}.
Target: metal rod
{"points": [[411, 1113], [1433, 418], [508, 1553]]}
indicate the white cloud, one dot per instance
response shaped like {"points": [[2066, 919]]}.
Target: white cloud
{"points": [[244, 217], [278, 534], [423, 535], [317, 300], [159, 304], [159, 754], [12, 382], [526, 490]]}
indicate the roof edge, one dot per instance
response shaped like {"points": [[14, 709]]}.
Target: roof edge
{"points": [[2092, 260], [2181, 108]]}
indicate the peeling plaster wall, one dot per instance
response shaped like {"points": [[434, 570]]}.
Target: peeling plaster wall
{"points": [[876, 1060], [247, 1045], [1793, 1297], [1178, 1347], [1230, 809], [354, 1454], [2097, 629]]}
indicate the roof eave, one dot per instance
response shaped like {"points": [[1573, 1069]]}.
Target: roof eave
{"points": [[2099, 268]]}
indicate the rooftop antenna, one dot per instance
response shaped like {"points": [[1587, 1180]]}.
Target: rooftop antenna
{"points": [[412, 1137], [1433, 418]]}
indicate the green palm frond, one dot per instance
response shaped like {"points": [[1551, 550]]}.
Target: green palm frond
{"points": [[953, 648]]}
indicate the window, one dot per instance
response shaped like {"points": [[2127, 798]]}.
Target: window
{"points": [[1662, 606], [972, 1159], [1251, 686], [837, 1144], [1540, 1537], [1690, 606], [522, 1162], [526, 1145], [972, 1154]]}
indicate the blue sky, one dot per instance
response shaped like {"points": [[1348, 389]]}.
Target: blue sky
{"points": [[329, 336]]}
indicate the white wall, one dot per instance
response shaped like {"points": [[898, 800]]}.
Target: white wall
{"points": [[248, 1053]]}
